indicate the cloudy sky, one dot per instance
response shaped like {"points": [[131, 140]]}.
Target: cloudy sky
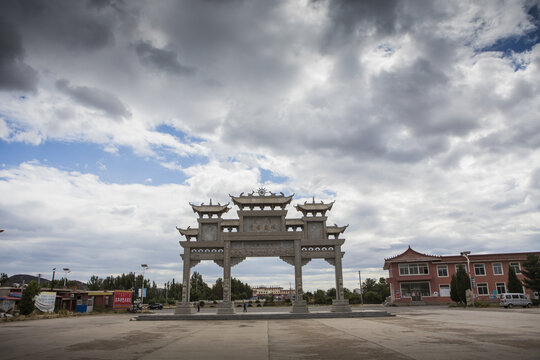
{"points": [[420, 118]]}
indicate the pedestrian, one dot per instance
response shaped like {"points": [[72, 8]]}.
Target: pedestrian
{"points": [[245, 307], [198, 307]]}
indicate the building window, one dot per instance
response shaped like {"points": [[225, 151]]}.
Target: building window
{"points": [[497, 269], [445, 290], [461, 265], [482, 289], [415, 289], [515, 266], [501, 288], [479, 269], [413, 269], [442, 270]]}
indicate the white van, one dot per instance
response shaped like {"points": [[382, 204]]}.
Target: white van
{"points": [[509, 300]]}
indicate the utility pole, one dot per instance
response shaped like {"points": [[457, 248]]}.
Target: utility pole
{"points": [[361, 292]]}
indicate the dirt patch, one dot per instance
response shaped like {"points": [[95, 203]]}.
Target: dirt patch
{"points": [[305, 339], [131, 339]]}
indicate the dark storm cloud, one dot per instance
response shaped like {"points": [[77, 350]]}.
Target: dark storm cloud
{"points": [[161, 59], [15, 74], [234, 45], [68, 24], [95, 98]]}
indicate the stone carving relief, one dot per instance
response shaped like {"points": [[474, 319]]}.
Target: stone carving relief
{"points": [[315, 230], [262, 224], [209, 232]]}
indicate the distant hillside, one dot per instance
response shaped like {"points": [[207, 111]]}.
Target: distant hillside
{"points": [[19, 278]]}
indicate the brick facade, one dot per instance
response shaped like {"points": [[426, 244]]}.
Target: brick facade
{"points": [[417, 277]]}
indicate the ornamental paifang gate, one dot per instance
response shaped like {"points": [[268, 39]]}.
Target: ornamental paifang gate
{"points": [[262, 229]]}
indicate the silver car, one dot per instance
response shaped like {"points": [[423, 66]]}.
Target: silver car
{"points": [[509, 300]]}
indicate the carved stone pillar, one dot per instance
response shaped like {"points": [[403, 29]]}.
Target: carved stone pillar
{"points": [[299, 304], [185, 307], [226, 307], [340, 304]]}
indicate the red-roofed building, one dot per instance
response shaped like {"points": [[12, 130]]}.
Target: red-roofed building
{"points": [[417, 278]]}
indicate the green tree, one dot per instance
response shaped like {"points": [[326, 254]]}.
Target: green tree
{"points": [[368, 285], [4, 279], [382, 288], [320, 297], [95, 283], [531, 271], [453, 289], [239, 290], [199, 290], [217, 290], [372, 297], [514, 285], [461, 284], [331, 293], [27, 300]]}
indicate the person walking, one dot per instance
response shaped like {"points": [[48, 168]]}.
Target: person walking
{"points": [[198, 307], [245, 307]]}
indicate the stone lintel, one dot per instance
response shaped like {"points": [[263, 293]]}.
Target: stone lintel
{"points": [[206, 256], [315, 218], [256, 236], [281, 213], [322, 242], [317, 254], [202, 244]]}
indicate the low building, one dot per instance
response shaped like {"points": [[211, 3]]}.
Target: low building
{"points": [[9, 299], [423, 279], [277, 292]]}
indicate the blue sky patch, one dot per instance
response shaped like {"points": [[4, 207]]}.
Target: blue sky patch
{"points": [[122, 168], [268, 175]]}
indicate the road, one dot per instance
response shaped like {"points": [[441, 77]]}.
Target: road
{"points": [[414, 333]]}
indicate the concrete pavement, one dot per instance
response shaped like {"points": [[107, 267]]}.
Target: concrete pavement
{"points": [[415, 333]]}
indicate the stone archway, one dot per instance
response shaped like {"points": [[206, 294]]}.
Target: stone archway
{"points": [[262, 230]]}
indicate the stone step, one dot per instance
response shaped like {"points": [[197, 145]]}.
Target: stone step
{"points": [[264, 316]]}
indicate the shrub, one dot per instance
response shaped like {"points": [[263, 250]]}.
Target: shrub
{"points": [[27, 300], [201, 303]]}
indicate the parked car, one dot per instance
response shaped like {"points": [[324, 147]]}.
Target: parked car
{"points": [[509, 300], [156, 306]]}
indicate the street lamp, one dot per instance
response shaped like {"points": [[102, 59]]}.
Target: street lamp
{"points": [[144, 267], [52, 281], [67, 271], [466, 254], [361, 292]]}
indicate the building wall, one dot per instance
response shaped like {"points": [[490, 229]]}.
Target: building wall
{"points": [[490, 279]]}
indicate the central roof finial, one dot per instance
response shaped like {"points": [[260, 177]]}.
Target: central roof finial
{"points": [[261, 191]]}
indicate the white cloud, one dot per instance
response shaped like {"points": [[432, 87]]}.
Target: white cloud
{"points": [[423, 139]]}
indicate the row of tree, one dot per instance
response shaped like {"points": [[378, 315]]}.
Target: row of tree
{"points": [[373, 292], [172, 291]]}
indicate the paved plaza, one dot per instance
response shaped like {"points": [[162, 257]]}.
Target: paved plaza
{"points": [[414, 333]]}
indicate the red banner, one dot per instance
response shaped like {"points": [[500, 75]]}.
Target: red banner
{"points": [[122, 299]]}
